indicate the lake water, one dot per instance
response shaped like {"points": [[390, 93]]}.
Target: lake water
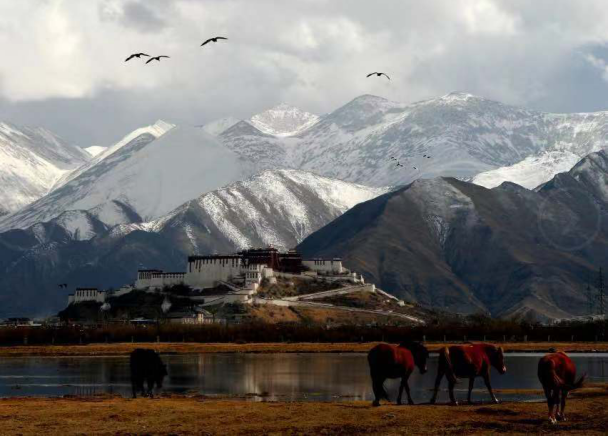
{"points": [[264, 377]]}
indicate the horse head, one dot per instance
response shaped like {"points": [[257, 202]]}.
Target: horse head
{"points": [[419, 354], [495, 355]]}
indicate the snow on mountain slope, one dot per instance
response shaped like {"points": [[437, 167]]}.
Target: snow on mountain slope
{"points": [[530, 172], [464, 135], [142, 176], [31, 161], [94, 150], [216, 127], [143, 134], [257, 150], [283, 120], [279, 208]]}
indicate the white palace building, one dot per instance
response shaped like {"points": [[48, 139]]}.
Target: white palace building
{"points": [[240, 274]]}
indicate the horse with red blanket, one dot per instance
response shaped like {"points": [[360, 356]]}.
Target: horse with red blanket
{"points": [[556, 372], [471, 360], [390, 361]]}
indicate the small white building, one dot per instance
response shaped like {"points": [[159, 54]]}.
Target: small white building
{"points": [[157, 279], [87, 294], [325, 266], [196, 317]]}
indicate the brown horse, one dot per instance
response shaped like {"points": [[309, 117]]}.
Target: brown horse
{"points": [[390, 361], [556, 373], [473, 360]]}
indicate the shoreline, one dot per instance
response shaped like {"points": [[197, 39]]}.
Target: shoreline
{"points": [[121, 349], [586, 412]]}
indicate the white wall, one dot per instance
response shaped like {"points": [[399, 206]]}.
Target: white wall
{"points": [[324, 265], [87, 295], [206, 273]]}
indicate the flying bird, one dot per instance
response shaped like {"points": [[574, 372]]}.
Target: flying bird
{"points": [[156, 58], [393, 158], [415, 168], [400, 165], [214, 39], [378, 75], [136, 55]]}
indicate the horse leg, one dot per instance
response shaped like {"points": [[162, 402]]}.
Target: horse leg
{"points": [[150, 383], [556, 404], [436, 386], [487, 382], [563, 402], [471, 388], [377, 388], [400, 390], [548, 393], [408, 392], [451, 393]]}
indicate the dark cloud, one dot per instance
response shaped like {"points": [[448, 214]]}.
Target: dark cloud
{"points": [[142, 17]]}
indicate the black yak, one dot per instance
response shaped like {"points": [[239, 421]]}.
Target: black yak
{"points": [[146, 365]]}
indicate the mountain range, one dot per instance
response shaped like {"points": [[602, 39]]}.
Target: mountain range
{"points": [[506, 251], [135, 180], [275, 207], [144, 176], [463, 134], [165, 191]]}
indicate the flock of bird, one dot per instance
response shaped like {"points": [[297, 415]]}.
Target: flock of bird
{"points": [[216, 38], [158, 58], [398, 164]]}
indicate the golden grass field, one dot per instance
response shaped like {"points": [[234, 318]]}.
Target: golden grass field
{"points": [[586, 412], [304, 347]]}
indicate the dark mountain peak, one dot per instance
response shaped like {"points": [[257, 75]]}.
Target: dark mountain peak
{"points": [[242, 128], [512, 187], [458, 246], [593, 162]]}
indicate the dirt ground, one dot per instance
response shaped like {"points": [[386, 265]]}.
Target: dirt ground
{"points": [[193, 348], [586, 413]]}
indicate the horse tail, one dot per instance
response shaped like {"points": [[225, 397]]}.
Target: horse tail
{"points": [[578, 384], [559, 383], [445, 357]]}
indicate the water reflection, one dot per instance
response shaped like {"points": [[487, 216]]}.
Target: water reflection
{"points": [[261, 377]]}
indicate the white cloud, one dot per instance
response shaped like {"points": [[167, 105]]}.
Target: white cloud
{"points": [[311, 53], [598, 63]]}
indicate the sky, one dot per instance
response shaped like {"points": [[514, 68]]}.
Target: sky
{"points": [[63, 60]]}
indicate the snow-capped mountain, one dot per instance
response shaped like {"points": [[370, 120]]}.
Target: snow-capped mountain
{"points": [[145, 175], [283, 120], [31, 162], [463, 134], [530, 172], [276, 207], [216, 127], [94, 150]]}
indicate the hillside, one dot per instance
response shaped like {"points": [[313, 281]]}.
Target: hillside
{"points": [[32, 160], [507, 251]]}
